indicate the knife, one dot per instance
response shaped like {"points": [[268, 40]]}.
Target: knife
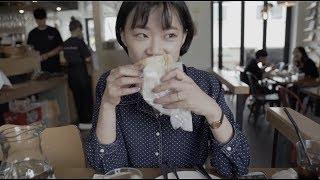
{"points": [[200, 169]]}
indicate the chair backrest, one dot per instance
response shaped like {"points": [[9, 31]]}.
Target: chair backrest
{"points": [[253, 83], [286, 95], [63, 147]]}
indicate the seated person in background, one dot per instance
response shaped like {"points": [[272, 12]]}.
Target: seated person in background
{"points": [[257, 72], [305, 64]]}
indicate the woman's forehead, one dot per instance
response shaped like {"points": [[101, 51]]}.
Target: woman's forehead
{"points": [[168, 18]]}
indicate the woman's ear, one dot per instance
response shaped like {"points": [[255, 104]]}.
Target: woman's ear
{"points": [[123, 39]]}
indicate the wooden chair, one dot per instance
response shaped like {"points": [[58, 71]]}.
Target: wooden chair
{"points": [[287, 97], [259, 99], [63, 147]]}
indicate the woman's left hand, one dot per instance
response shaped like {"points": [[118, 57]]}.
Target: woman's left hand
{"points": [[186, 94]]}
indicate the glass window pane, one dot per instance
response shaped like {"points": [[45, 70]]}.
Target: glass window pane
{"points": [[231, 33], [215, 34], [253, 31], [276, 32], [109, 28]]}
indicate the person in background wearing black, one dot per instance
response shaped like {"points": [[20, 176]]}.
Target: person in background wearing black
{"points": [[77, 55], [305, 64], [47, 41], [257, 72]]}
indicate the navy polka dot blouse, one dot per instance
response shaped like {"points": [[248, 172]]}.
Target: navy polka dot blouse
{"points": [[145, 138]]}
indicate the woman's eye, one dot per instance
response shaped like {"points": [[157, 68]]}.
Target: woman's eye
{"points": [[170, 36], [141, 35]]}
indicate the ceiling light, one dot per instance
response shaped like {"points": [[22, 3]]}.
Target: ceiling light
{"points": [[58, 8], [34, 1], [21, 11]]}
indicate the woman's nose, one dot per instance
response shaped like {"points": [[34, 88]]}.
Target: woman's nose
{"points": [[155, 48]]}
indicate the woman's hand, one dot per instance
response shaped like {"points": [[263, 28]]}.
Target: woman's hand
{"points": [[187, 95], [119, 83]]}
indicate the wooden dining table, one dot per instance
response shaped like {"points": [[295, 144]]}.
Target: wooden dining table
{"points": [[281, 123], [287, 79], [231, 79], [148, 173]]}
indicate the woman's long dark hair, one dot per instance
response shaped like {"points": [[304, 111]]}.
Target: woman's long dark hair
{"points": [[303, 53], [74, 24]]}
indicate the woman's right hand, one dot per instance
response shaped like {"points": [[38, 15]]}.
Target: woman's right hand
{"points": [[119, 83]]}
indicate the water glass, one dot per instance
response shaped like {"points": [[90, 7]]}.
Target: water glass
{"points": [[124, 173], [313, 150]]}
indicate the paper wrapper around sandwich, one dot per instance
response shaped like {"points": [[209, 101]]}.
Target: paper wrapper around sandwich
{"points": [[154, 68]]}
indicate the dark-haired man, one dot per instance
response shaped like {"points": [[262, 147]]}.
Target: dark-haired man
{"points": [[47, 41], [256, 71]]}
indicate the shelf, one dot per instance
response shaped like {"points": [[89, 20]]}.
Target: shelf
{"points": [[309, 18], [308, 29], [312, 5]]}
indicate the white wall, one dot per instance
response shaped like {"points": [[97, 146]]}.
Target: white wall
{"points": [[199, 55]]}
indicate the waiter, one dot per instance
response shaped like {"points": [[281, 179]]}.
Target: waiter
{"points": [[47, 41], [77, 55]]}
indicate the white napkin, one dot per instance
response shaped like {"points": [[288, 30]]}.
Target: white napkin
{"points": [[286, 174], [4, 80], [178, 117]]}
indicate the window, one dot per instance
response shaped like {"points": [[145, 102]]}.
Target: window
{"points": [[90, 34], [109, 28], [253, 31], [245, 32], [215, 34], [231, 34], [276, 32]]}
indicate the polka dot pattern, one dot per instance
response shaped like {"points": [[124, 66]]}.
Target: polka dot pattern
{"points": [[146, 138]]}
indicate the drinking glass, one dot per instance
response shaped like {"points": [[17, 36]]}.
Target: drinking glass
{"points": [[313, 150], [22, 154], [124, 173]]}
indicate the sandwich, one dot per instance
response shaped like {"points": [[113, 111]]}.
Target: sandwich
{"points": [[154, 68]]}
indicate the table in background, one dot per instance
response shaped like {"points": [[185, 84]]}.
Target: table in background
{"points": [[55, 88], [231, 79]]}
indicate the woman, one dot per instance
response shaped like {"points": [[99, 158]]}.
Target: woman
{"points": [[305, 64], [128, 133], [77, 55]]}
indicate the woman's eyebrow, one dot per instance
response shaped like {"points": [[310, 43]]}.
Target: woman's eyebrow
{"points": [[171, 28], [142, 27]]}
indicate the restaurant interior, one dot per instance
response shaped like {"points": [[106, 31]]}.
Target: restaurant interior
{"points": [[264, 54]]}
